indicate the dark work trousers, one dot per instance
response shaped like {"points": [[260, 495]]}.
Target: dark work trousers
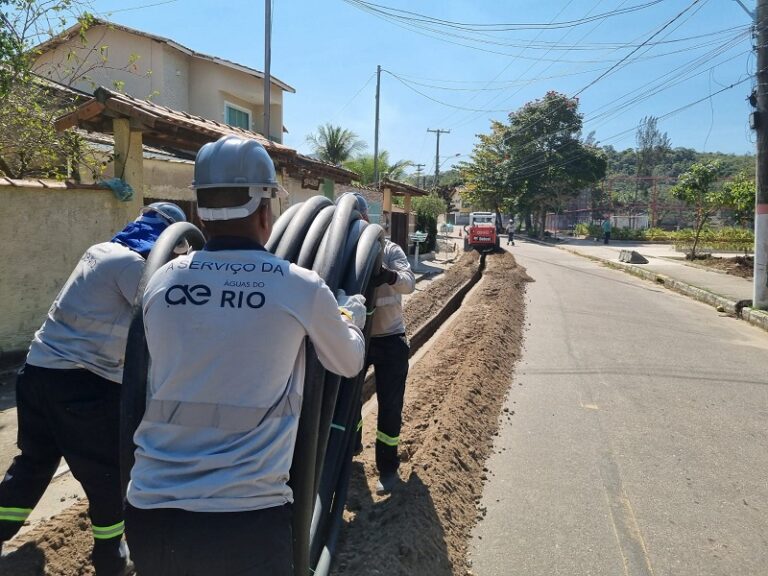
{"points": [[174, 542], [606, 237], [74, 414], [389, 357]]}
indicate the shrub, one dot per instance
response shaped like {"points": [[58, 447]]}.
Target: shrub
{"points": [[581, 229]]}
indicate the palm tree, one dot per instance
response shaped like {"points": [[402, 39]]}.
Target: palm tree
{"points": [[335, 144], [363, 166]]}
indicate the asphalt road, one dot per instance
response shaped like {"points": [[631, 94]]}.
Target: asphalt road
{"points": [[638, 444]]}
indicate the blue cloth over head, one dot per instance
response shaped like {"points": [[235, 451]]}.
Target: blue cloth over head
{"points": [[141, 235]]}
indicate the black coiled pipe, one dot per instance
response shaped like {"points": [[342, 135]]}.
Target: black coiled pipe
{"points": [[133, 395], [345, 251]]}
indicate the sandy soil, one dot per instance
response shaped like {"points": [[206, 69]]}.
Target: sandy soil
{"points": [[454, 398], [453, 405]]}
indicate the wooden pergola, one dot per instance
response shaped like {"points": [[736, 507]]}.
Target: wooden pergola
{"points": [[390, 188], [134, 122]]}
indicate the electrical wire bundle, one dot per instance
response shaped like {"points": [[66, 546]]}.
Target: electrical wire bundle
{"points": [[345, 251]]}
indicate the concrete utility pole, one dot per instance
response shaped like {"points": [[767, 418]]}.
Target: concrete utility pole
{"points": [[267, 63], [760, 123], [418, 173], [438, 131], [376, 131]]}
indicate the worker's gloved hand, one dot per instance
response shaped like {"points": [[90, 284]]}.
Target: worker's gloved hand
{"points": [[384, 276], [352, 307]]}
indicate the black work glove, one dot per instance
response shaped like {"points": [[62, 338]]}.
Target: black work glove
{"points": [[384, 276]]}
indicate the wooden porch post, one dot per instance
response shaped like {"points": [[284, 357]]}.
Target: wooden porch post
{"points": [[129, 157]]}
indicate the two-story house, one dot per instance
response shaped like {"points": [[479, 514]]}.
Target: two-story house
{"points": [[151, 67]]}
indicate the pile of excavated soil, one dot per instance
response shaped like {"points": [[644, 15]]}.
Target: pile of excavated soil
{"points": [[455, 393], [60, 546], [454, 397], [742, 266]]}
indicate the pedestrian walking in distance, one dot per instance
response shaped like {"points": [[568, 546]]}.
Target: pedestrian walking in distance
{"points": [[607, 230], [510, 233], [68, 392]]}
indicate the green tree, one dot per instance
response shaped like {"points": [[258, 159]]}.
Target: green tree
{"points": [[534, 163], [29, 144], [490, 180], [741, 193], [27, 23], [30, 147], [427, 209], [652, 147], [362, 165], [335, 144], [697, 188]]}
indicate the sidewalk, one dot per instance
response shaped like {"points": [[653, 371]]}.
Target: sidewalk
{"points": [[433, 263], [667, 266]]}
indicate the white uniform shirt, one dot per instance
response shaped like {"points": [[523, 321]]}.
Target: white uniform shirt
{"points": [[225, 331], [87, 324], [388, 317]]}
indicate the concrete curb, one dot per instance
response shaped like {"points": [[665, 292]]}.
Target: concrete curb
{"points": [[758, 318]]}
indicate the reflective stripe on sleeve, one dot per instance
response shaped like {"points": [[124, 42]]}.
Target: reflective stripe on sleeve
{"points": [[387, 301], [14, 514], [388, 440], [107, 532], [360, 425]]}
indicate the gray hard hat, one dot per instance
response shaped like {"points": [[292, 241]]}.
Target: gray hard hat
{"points": [[234, 162], [169, 212]]}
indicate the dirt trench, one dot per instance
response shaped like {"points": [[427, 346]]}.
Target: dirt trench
{"points": [[453, 404]]}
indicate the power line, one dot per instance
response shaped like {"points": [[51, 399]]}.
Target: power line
{"points": [[506, 27], [539, 167], [442, 35], [517, 91], [565, 7], [593, 82], [138, 7], [668, 80], [615, 66], [373, 74]]}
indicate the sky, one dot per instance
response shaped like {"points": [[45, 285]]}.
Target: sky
{"points": [[458, 64]]}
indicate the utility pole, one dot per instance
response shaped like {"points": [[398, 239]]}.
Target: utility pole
{"points": [[760, 122], [438, 131], [376, 131], [267, 63], [418, 174]]}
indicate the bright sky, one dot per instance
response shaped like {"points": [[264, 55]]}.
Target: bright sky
{"points": [[667, 55]]}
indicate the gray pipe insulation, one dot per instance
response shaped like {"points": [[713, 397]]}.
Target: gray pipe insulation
{"points": [[345, 251]]}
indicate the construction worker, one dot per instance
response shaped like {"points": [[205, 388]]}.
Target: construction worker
{"points": [[68, 392], [225, 328], [388, 352]]}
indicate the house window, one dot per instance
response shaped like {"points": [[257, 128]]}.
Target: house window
{"points": [[236, 116]]}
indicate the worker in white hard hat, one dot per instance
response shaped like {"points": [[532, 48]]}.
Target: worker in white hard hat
{"points": [[68, 392], [388, 353], [225, 328]]}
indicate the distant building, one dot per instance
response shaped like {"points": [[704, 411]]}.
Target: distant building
{"points": [[146, 66]]}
